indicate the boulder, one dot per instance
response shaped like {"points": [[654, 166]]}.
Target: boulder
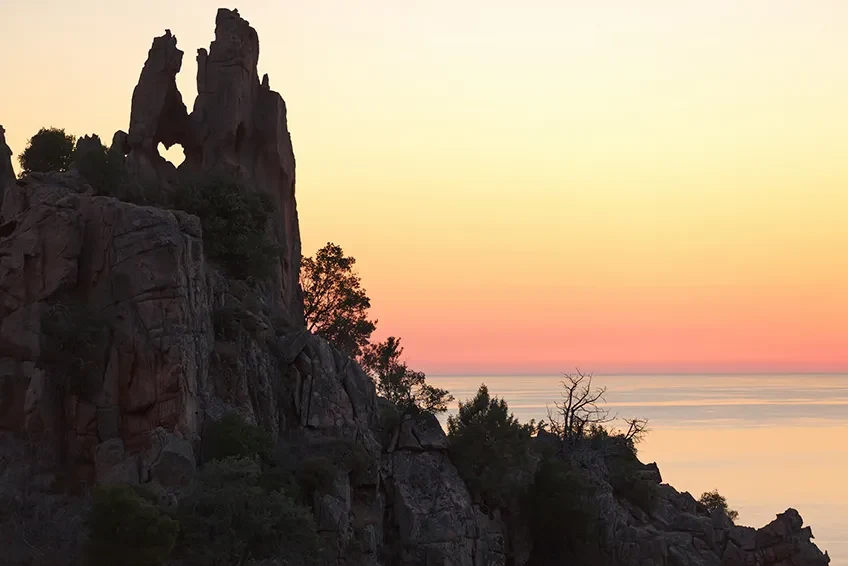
{"points": [[175, 463], [422, 432]]}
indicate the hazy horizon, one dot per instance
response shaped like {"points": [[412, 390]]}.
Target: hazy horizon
{"points": [[617, 187]]}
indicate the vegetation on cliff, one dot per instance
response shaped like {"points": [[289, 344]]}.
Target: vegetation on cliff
{"points": [[335, 305], [50, 149]]}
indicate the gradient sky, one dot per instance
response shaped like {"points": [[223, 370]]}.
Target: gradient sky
{"points": [[529, 187]]}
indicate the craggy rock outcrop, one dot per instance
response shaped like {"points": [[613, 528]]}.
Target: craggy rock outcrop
{"points": [[7, 173], [431, 515], [158, 114], [783, 542], [238, 128], [138, 271], [679, 531]]}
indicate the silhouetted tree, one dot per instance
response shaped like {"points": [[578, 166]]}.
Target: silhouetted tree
{"points": [[581, 408], [491, 449], [51, 149], [402, 386], [636, 430], [334, 303], [713, 500]]}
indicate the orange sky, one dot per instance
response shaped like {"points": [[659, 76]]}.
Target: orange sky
{"points": [[530, 187]]}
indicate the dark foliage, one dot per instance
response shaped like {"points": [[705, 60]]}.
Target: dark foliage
{"points": [[491, 449], [334, 303], [126, 529], [713, 501], [625, 477], [104, 170], [51, 149], [228, 518], [404, 387], [234, 224], [232, 436], [74, 338], [563, 524]]}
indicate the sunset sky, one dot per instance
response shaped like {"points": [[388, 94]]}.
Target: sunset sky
{"points": [[529, 186]]}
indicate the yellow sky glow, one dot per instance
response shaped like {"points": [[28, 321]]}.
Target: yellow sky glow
{"points": [[624, 186]]}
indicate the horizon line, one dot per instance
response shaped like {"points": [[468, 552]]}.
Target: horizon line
{"points": [[644, 374]]}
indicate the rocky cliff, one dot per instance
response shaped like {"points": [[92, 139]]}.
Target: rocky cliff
{"points": [[112, 365]]}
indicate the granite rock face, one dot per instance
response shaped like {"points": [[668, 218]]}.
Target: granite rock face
{"points": [[140, 272]]}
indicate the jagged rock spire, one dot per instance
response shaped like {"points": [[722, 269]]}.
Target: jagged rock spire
{"points": [[158, 114], [237, 129], [7, 173]]}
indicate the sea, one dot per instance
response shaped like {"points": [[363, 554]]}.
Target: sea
{"points": [[766, 442]]}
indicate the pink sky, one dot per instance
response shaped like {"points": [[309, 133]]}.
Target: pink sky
{"points": [[620, 187]]}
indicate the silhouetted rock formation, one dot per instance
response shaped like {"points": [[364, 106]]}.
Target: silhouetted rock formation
{"points": [[238, 129], [7, 173], [158, 114]]}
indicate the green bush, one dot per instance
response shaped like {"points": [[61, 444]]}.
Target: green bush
{"points": [[491, 449], [126, 529], [51, 149], [232, 436], [562, 522], [713, 500], [73, 340], [234, 224], [228, 518]]}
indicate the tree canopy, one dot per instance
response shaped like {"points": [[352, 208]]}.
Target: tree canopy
{"points": [[51, 149], [401, 385], [713, 500], [491, 449], [334, 303]]}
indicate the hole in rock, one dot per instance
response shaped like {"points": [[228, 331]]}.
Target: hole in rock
{"points": [[175, 154]]}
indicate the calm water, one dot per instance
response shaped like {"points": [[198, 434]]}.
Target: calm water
{"points": [[766, 442]]}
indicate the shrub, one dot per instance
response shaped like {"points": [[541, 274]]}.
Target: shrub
{"points": [[73, 340], [406, 388], [51, 149], [227, 518], [562, 523], [713, 501], [126, 529], [314, 467], [317, 473], [104, 170], [232, 436], [491, 449], [234, 226]]}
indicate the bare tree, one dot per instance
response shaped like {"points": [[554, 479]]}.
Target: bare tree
{"points": [[581, 408], [636, 430]]}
